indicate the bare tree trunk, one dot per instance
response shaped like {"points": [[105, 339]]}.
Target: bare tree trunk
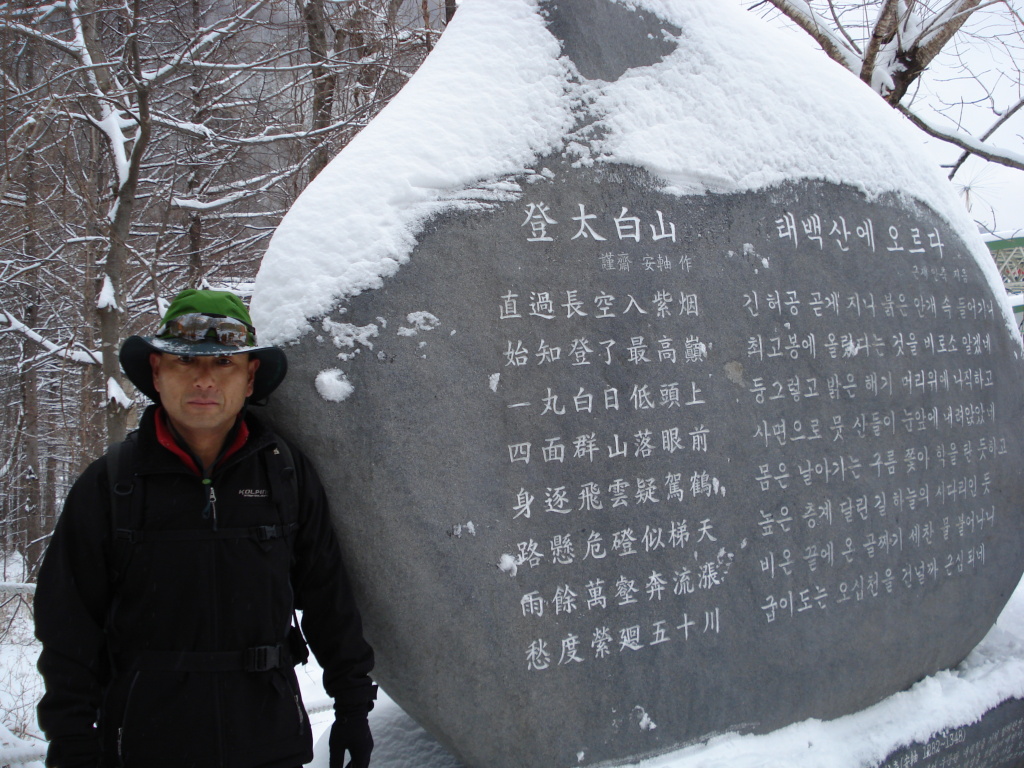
{"points": [[30, 383], [91, 392], [883, 32], [32, 481], [50, 483], [917, 59], [325, 81], [425, 11], [31, 431], [195, 219], [119, 251]]}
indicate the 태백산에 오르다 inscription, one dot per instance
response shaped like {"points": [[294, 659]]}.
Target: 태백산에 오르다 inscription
{"points": [[622, 469]]}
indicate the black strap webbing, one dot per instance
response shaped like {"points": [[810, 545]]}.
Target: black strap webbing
{"points": [[281, 473], [261, 658], [257, 532], [126, 499], [284, 488]]}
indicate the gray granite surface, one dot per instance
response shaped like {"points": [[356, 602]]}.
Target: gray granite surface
{"points": [[622, 470]]}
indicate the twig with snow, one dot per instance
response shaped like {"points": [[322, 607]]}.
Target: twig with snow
{"points": [[85, 356]]}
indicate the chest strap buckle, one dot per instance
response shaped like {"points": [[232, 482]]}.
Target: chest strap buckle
{"points": [[268, 532], [262, 658]]}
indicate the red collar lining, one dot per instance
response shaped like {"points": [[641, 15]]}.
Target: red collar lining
{"points": [[241, 437], [166, 438]]}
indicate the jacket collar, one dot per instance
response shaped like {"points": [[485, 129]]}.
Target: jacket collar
{"points": [[155, 433]]}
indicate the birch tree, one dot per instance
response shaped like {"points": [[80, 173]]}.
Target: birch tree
{"points": [[892, 45]]}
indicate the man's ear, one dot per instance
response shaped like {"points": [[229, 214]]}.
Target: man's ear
{"points": [[154, 363], [254, 363]]}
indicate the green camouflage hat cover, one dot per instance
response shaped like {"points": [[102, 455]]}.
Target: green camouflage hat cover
{"points": [[204, 302]]}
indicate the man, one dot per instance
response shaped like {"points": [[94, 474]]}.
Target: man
{"points": [[165, 600]]}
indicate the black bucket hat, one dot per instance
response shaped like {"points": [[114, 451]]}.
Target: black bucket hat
{"points": [[204, 323]]}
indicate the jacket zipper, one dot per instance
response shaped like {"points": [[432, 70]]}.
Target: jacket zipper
{"points": [[210, 513], [213, 506], [210, 510], [124, 716]]}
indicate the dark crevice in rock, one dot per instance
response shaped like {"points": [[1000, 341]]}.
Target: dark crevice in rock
{"points": [[605, 39]]}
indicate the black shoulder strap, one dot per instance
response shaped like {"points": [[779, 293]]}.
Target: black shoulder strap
{"points": [[284, 485], [113, 458], [284, 488], [125, 499]]}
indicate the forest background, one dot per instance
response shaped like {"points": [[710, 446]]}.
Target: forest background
{"points": [[148, 146]]}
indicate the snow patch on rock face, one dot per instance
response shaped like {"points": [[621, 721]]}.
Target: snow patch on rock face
{"points": [[333, 386], [346, 336], [737, 106], [507, 564], [418, 321], [643, 720]]}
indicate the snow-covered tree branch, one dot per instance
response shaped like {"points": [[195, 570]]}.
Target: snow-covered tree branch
{"points": [[892, 46], [74, 355], [967, 143]]}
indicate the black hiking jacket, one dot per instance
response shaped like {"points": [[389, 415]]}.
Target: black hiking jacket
{"points": [[147, 637]]}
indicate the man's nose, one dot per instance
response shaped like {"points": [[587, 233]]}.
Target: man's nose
{"points": [[204, 375]]}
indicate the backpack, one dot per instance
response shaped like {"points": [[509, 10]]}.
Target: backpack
{"points": [[126, 501]]}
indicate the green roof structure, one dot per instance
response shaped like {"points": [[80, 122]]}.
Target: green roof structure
{"points": [[1009, 258], [1008, 255]]}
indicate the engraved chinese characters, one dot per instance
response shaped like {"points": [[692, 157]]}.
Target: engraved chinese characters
{"points": [[663, 466]]}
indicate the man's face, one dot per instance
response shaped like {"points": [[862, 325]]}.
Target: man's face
{"points": [[203, 395]]}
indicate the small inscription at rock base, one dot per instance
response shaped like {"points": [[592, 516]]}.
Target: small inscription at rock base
{"points": [[996, 741]]}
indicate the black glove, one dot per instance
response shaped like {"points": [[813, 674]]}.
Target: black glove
{"points": [[351, 732]]}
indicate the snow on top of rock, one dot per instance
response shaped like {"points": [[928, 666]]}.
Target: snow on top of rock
{"points": [[736, 107]]}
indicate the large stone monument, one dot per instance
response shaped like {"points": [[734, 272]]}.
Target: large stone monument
{"points": [[656, 395]]}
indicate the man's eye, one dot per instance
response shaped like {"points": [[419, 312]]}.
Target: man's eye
{"points": [[185, 359]]}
